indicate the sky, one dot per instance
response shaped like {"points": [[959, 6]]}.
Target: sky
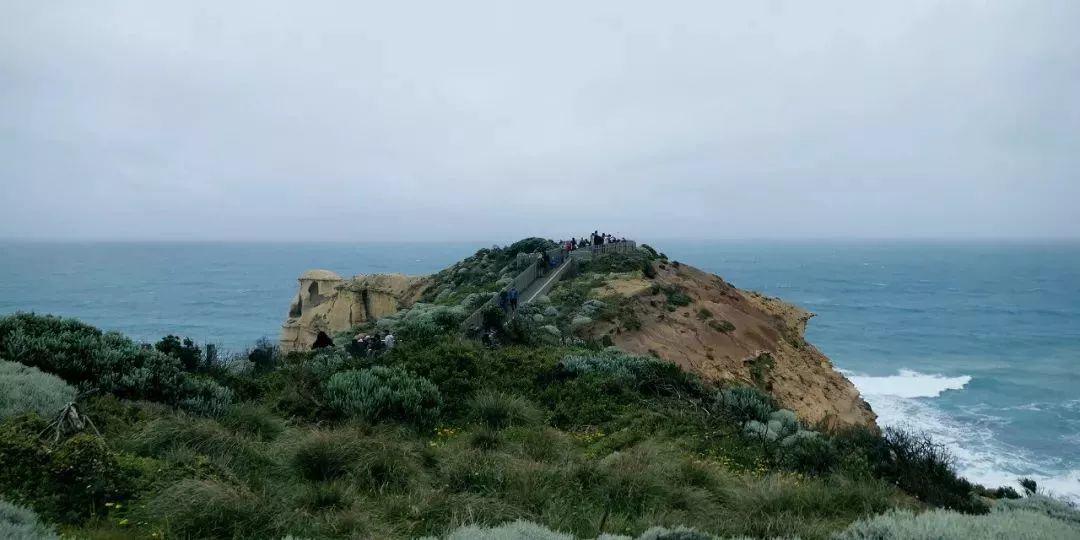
{"points": [[391, 121]]}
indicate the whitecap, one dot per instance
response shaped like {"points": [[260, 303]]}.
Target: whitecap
{"points": [[908, 384], [903, 401]]}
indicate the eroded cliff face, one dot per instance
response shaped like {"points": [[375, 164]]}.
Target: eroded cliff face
{"points": [[726, 334], [328, 303]]}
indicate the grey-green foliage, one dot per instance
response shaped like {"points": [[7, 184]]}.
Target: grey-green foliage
{"points": [[26, 389], [381, 393], [423, 320], [1002, 524], [499, 410], [782, 425], [326, 362], [1041, 504], [743, 404], [205, 397], [527, 530], [639, 372], [18, 523], [83, 355], [517, 530]]}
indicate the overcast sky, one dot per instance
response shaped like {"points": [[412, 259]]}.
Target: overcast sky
{"points": [[472, 121]]}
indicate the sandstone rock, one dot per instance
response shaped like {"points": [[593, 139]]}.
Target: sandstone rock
{"points": [[327, 303]]}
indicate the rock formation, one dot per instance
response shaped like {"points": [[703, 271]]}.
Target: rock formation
{"points": [[328, 303], [726, 334]]}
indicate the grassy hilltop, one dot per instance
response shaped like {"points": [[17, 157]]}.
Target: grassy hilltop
{"points": [[546, 433]]}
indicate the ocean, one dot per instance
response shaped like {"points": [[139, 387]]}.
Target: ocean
{"points": [[977, 344]]}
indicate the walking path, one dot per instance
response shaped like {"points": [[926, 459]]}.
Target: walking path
{"points": [[531, 285]]}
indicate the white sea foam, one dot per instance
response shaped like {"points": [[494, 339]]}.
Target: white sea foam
{"points": [[905, 401], [908, 384]]}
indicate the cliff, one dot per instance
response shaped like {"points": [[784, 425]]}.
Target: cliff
{"points": [[638, 302], [709, 327], [328, 303]]}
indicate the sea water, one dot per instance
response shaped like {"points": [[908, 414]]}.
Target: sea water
{"points": [[977, 344]]}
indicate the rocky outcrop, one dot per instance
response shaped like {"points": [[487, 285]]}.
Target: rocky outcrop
{"points": [[328, 303], [709, 327]]}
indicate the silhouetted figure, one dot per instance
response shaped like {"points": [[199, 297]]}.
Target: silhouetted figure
{"points": [[513, 298], [322, 341]]}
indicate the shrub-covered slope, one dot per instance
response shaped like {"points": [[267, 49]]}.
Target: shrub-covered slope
{"points": [[527, 433]]}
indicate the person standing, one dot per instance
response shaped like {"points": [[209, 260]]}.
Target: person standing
{"points": [[513, 299]]}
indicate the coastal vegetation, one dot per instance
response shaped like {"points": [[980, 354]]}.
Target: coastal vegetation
{"points": [[549, 435]]}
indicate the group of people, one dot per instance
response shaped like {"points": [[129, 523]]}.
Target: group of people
{"points": [[508, 299], [373, 344], [595, 239]]}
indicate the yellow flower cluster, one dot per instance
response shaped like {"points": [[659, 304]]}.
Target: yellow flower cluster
{"points": [[442, 434]]}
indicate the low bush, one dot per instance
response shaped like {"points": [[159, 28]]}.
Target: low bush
{"points": [[25, 389], [324, 456], [722, 326], [1047, 506], [642, 373], [253, 420], [455, 366], [1004, 524], [85, 356], [185, 350], [193, 508], [741, 404], [46, 474], [18, 523], [382, 393], [205, 397], [499, 410], [520, 530], [913, 462]]}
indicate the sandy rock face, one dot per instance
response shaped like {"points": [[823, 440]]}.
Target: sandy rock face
{"points": [[725, 334], [328, 303]]}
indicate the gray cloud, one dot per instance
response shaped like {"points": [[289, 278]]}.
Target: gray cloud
{"points": [[491, 120]]}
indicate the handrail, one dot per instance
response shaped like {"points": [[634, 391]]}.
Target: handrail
{"points": [[526, 278]]}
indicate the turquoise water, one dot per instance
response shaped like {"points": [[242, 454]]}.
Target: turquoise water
{"points": [[977, 344]]}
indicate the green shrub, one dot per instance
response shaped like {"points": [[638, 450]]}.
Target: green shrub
{"points": [[485, 439], [46, 474], [648, 270], [517, 530], [642, 373], [205, 397], [253, 420], [811, 455], [324, 456], [457, 367], [26, 389], [1005, 524], [678, 533], [194, 508], [178, 438], [382, 393], [742, 403], [83, 355], [1047, 506], [722, 325], [499, 410], [18, 523], [761, 370], [185, 350]]}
